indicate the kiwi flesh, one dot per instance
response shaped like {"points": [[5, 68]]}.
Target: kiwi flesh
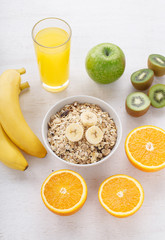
{"points": [[142, 79], [137, 104], [157, 95], [156, 62]]}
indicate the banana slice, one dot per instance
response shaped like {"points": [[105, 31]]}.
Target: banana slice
{"points": [[88, 119], [74, 132], [94, 135]]}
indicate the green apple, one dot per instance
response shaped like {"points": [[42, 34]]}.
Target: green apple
{"points": [[105, 63]]}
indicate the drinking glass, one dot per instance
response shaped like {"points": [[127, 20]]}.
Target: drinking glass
{"points": [[51, 37]]}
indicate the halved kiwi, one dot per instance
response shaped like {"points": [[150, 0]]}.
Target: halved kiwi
{"points": [[156, 62], [137, 104], [157, 95], [142, 79]]}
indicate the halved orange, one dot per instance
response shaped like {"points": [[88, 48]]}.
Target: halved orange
{"points": [[145, 148], [64, 192], [121, 195]]}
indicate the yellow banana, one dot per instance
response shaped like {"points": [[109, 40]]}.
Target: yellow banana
{"points": [[11, 117], [10, 154]]}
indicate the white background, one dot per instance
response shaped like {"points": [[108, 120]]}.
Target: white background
{"points": [[138, 27]]}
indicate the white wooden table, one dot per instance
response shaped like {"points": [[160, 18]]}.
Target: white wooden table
{"points": [[138, 28]]}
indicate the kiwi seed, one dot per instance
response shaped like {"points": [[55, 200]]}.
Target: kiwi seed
{"points": [[137, 104], [156, 62], [157, 95], [142, 79]]}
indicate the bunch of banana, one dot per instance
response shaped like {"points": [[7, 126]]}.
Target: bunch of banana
{"points": [[15, 130]]}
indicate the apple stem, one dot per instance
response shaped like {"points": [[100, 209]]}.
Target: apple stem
{"points": [[107, 51]]}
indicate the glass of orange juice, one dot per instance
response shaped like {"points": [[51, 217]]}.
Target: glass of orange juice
{"points": [[51, 37]]}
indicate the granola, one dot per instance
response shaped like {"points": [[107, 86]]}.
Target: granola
{"points": [[81, 152]]}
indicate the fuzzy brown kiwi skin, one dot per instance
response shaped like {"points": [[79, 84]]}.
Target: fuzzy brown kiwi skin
{"points": [[135, 113], [143, 86], [158, 71]]}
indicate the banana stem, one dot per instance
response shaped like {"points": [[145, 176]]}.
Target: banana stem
{"points": [[21, 70], [24, 85]]}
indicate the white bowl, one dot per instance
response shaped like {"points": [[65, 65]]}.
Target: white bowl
{"points": [[82, 99]]}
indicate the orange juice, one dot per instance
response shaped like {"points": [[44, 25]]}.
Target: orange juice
{"points": [[52, 47]]}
